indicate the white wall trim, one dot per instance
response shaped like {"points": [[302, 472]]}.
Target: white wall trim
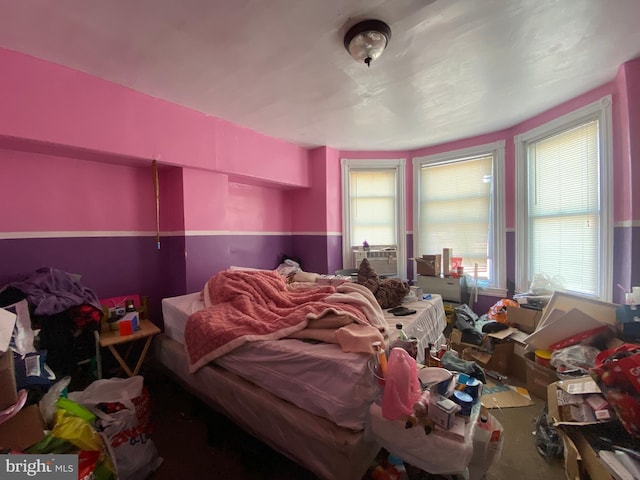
{"points": [[627, 224]]}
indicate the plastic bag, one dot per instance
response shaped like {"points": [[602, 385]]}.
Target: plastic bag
{"points": [[402, 386], [123, 410], [548, 442], [575, 359], [48, 405], [76, 431], [543, 284], [73, 435], [498, 311], [465, 317]]}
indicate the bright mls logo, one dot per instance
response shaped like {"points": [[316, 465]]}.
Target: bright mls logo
{"points": [[51, 467]]}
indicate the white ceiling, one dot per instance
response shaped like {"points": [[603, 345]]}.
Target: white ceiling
{"points": [[453, 68]]}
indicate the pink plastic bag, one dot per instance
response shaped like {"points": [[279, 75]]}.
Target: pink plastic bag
{"points": [[402, 387]]}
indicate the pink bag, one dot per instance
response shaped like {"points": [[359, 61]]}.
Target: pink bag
{"points": [[402, 388]]}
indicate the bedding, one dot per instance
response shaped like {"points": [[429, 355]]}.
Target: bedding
{"points": [[258, 305], [319, 377]]}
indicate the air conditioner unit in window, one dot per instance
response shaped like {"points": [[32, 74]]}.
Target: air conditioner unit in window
{"points": [[383, 260]]}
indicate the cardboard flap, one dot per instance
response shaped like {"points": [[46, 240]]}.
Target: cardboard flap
{"points": [[579, 386], [571, 323], [502, 334]]}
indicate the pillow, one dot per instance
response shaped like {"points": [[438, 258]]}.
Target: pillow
{"points": [[250, 269], [301, 276]]}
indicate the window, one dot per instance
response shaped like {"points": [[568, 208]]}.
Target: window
{"points": [[458, 198], [564, 204], [373, 207]]}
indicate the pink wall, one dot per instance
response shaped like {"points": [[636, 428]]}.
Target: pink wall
{"points": [[171, 199], [308, 206], [334, 191], [40, 193], [258, 209], [205, 200], [45, 104], [243, 152], [629, 87]]}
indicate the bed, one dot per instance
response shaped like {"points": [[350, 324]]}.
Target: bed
{"points": [[308, 400]]}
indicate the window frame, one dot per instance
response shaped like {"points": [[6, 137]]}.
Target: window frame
{"points": [[497, 150], [398, 165], [600, 110]]}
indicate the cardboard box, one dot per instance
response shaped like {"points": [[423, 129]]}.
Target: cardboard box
{"points": [[499, 361], [495, 353], [8, 389], [455, 340], [429, 265], [23, 430], [523, 318], [518, 368], [538, 376], [580, 459]]}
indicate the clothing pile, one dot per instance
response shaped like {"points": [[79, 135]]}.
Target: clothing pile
{"points": [[65, 313]]}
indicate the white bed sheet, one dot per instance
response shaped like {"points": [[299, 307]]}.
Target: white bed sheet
{"points": [[427, 324], [319, 378]]}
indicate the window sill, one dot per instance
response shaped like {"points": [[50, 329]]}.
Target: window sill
{"points": [[489, 292]]}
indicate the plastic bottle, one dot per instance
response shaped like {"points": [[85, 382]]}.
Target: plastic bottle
{"points": [[401, 334], [380, 359]]}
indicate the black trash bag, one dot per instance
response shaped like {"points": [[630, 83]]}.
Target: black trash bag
{"points": [[548, 442], [472, 336], [455, 364], [465, 317]]}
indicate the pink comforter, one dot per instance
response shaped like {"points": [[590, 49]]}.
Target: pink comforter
{"points": [[256, 305]]}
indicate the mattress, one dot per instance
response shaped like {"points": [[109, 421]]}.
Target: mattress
{"points": [[331, 452], [317, 377]]}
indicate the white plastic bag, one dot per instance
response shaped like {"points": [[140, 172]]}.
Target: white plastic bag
{"points": [[128, 429]]}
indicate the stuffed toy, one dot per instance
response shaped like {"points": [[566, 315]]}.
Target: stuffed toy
{"points": [[389, 292]]}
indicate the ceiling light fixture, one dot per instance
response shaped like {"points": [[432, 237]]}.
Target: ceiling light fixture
{"points": [[366, 41]]}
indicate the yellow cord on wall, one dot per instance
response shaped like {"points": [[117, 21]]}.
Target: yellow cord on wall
{"points": [[156, 190]]}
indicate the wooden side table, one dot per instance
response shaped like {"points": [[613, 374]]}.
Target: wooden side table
{"points": [[111, 339]]}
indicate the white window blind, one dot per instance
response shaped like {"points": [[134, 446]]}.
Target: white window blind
{"points": [[564, 208], [373, 207], [456, 211]]}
